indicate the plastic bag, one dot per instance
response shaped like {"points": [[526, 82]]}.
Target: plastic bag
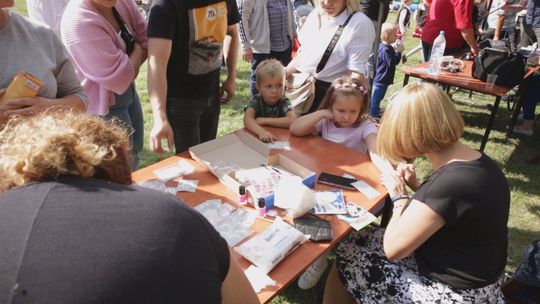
{"points": [[268, 248]]}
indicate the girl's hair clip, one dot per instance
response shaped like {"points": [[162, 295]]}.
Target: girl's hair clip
{"points": [[344, 85]]}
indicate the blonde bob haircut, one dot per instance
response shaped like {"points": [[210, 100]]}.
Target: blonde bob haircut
{"points": [[420, 119], [57, 143]]}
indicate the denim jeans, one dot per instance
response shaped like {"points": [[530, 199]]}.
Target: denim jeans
{"points": [[379, 90], [284, 57], [127, 109], [193, 120], [532, 96]]}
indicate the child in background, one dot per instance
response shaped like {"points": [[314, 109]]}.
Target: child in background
{"points": [[387, 59], [270, 107], [403, 19], [341, 118]]}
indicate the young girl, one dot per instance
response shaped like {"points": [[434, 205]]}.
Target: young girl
{"points": [[342, 119]]}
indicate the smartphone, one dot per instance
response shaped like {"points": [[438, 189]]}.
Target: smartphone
{"points": [[336, 180]]}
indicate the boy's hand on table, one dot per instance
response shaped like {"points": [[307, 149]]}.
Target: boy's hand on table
{"points": [[267, 137]]}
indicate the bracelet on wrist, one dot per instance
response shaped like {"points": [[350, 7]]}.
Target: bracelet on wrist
{"points": [[399, 197]]}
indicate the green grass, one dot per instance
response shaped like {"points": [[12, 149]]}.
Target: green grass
{"points": [[510, 154]]}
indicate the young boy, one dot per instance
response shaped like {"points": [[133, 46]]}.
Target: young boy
{"points": [[387, 59], [403, 19], [270, 107]]}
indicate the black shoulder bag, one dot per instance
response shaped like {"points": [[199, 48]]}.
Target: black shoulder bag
{"points": [[508, 66], [125, 34]]}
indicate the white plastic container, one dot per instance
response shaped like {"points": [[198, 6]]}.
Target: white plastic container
{"points": [[437, 52]]}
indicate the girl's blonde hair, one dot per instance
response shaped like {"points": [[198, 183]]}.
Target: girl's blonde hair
{"points": [[62, 143], [419, 119], [346, 86]]}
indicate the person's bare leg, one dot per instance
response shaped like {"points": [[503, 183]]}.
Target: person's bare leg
{"points": [[334, 291]]}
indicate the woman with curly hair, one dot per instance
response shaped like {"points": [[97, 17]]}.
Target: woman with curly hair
{"points": [[73, 229]]}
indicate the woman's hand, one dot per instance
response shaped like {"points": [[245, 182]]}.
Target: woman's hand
{"points": [[28, 106], [395, 185], [407, 173]]}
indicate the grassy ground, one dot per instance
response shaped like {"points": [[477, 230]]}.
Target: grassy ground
{"points": [[510, 154]]}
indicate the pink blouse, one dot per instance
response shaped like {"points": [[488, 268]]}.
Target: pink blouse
{"points": [[98, 52]]}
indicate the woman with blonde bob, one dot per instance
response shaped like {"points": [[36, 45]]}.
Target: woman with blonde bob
{"points": [[70, 218], [447, 243]]}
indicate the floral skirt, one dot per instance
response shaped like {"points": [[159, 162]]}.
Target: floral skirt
{"points": [[370, 277]]}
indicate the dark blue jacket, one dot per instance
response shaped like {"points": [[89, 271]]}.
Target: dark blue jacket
{"points": [[387, 59]]}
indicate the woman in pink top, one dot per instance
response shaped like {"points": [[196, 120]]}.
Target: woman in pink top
{"points": [[108, 43]]}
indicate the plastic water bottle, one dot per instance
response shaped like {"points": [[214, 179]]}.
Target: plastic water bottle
{"points": [[437, 52]]}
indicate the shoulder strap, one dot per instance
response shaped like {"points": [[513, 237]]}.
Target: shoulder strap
{"points": [[332, 44], [119, 19]]}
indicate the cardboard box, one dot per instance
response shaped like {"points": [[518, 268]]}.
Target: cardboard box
{"points": [[244, 152]]}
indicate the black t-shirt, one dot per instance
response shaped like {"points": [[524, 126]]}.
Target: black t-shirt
{"points": [[77, 240], [470, 250], [197, 29]]}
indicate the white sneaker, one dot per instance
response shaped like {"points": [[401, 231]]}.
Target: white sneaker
{"points": [[312, 275], [520, 130]]}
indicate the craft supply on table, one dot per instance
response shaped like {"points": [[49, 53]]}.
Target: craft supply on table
{"points": [[187, 185], [329, 202], [357, 217], [266, 249], [242, 195], [261, 207], [233, 224], [180, 168], [281, 145], [261, 181]]}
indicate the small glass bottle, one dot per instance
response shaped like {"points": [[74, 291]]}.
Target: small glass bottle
{"points": [[242, 195], [261, 207]]}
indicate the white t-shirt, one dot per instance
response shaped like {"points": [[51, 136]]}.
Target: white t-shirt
{"points": [[352, 49], [354, 138], [48, 12]]}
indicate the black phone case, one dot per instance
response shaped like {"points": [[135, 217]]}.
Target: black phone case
{"points": [[336, 180]]}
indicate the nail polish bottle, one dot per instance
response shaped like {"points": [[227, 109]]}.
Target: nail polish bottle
{"points": [[242, 195], [261, 207]]}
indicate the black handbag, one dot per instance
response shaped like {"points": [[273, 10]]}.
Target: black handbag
{"points": [[508, 66]]}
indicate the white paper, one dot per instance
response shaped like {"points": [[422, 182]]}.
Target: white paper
{"points": [[172, 171], [187, 185], [258, 278], [282, 145], [366, 189]]}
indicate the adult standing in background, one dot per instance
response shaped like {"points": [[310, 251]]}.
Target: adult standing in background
{"points": [[351, 53], [107, 41], [266, 31], [26, 45], [454, 17], [185, 53], [48, 12]]}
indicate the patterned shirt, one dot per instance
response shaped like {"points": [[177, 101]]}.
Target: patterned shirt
{"points": [[278, 18], [264, 110]]}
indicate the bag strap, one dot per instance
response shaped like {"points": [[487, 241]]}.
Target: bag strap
{"points": [[119, 20], [332, 44]]}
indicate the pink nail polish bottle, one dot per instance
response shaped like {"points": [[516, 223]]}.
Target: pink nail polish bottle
{"points": [[242, 195]]}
